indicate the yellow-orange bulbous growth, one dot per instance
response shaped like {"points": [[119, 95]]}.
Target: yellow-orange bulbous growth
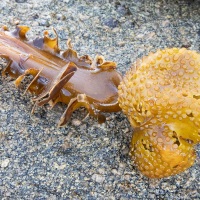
{"points": [[160, 95]]}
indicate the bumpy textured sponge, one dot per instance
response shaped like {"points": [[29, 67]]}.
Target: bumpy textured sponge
{"points": [[161, 97]]}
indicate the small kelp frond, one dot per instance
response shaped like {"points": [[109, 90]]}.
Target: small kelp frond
{"points": [[60, 75]]}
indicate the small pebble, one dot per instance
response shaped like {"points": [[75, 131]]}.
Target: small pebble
{"points": [[20, 1], [44, 22], [111, 22], [98, 178], [76, 122], [57, 166], [5, 163]]}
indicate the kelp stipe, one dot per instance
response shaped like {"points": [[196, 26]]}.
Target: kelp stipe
{"points": [[60, 76]]}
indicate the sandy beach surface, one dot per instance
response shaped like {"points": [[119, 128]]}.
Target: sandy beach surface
{"points": [[86, 160]]}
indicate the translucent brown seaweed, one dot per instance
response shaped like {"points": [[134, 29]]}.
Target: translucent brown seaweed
{"points": [[60, 76]]}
